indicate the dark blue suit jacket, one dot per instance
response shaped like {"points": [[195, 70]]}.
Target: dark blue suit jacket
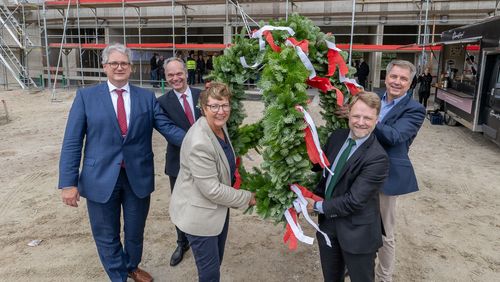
{"points": [[174, 111], [396, 133], [92, 119], [353, 213]]}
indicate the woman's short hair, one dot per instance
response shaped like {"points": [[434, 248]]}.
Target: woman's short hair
{"points": [[217, 91], [369, 98], [117, 47]]}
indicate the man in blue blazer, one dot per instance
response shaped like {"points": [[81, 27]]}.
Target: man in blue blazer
{"points": [[113, 123], [399, 121], [180, 106]]}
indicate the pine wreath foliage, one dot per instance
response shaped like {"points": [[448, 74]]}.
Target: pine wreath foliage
{"points": [[280, 133]]}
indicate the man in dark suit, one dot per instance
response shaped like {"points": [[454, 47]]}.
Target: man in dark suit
{"points": [[399, 121], [180, 106], [115, 120], [350, 213]]}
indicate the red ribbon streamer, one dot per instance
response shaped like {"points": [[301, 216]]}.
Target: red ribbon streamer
{"points": [[352, 88], [237, 182], [270, 40], [312, 151], [289, 237], [322, 83], [334, 60], [303, 44]]}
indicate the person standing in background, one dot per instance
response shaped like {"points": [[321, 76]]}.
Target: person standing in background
{"points": [[153, 62], [191, 67], [424, 91], [200, 68], [180, 106], [363, 72]]}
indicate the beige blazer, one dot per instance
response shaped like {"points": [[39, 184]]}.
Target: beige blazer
{"points": [[203, 192]]}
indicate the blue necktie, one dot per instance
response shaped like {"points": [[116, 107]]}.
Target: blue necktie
{"points": [[338, 168]]}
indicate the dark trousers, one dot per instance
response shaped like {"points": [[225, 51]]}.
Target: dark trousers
{"points": [[208, 252], [181, 236], [191, 77], [422, 98], [105, 224], [334, 260]]}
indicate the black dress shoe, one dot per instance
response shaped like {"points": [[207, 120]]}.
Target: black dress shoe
{"points": [[178, 255]]}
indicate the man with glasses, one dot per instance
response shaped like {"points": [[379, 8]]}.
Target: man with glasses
{"points": [[180, 106], [113, 123]]}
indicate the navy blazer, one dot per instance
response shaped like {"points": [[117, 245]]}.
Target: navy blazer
{"points": [[396, 133], [174, 111], [353, 213], [92, 119]]}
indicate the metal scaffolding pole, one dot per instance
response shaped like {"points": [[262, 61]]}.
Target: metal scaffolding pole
{"points": [[173, 28], [426, 36], [124, 23], [184, 10], [79, 40], [286, 10], [352, 30], [47, 59], [63, 40]]}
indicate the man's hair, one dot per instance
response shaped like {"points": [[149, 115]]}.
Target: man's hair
{"points": [[402, 64], [217, 91], [175, 59], [369, 98], [117, 47]]}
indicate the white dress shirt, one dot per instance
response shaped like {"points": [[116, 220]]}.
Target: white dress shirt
{"points": [[189, 98], [126, 99]]}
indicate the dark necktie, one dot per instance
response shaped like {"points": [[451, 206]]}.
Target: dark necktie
{"points": [[120, 109], [187, 109], [338, 168]]}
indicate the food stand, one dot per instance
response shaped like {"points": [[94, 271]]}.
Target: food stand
{"points": [[468, 88]]}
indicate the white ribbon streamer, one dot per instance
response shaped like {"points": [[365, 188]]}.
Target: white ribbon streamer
{"points": [[297, 231], [243, 62], [300, 205], [303, 58]]}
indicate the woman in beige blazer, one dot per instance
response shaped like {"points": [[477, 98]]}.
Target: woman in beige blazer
{"points": [[203, 192]]}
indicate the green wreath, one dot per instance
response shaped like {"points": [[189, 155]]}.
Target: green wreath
{"points": [[279, 135]]}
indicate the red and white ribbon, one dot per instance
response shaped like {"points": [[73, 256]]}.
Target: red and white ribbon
{"points": [[302, 55], [300, 206], [264, 34], [259, 33], [316, 154]]}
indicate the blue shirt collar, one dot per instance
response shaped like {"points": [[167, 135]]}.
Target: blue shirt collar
{"points": [[395, 101]]}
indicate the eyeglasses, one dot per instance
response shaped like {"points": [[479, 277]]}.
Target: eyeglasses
{"points": [[115, 65], [214, 108]]}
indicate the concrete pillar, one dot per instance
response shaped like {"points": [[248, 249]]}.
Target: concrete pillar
{"points": [[375, 58]]}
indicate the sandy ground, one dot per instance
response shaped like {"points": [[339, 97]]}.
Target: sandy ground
{"points": [[449, 231]]}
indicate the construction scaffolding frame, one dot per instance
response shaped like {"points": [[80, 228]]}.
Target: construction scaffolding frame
{"points": [[132, 18]]}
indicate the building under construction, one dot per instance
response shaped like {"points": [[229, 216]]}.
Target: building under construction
{"points": [[58, 43]]}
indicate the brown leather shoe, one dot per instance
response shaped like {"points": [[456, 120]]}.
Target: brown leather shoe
{"points": [[140, 275]]}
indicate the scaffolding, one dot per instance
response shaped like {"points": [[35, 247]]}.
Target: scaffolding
{"points": [[72, 57]]}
